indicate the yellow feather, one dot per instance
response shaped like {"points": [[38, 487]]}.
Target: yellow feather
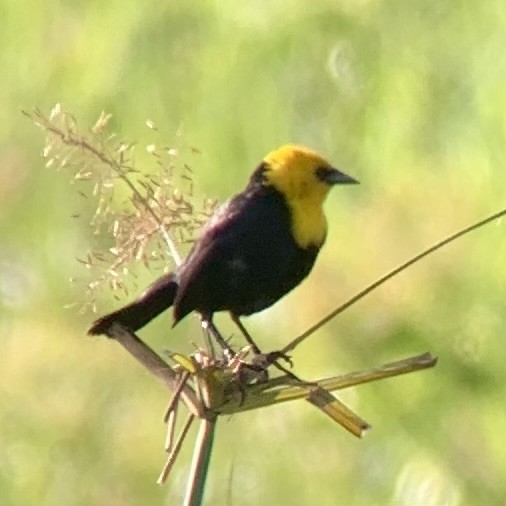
{"points": [[292, 171]]}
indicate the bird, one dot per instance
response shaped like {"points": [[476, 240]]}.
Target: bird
{"points": [[257, 247]]}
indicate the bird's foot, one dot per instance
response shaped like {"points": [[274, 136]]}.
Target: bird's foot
{"points": [[256, 371], [248, 374], [264, 360]]}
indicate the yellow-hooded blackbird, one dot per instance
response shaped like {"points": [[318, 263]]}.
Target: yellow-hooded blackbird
{"points": [[258, 246]]}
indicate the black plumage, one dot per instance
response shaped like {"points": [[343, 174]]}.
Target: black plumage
{"points": [[245, 260], [258, 246]]}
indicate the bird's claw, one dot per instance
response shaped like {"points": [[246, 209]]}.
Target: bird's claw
{"points": [[265, 360]]}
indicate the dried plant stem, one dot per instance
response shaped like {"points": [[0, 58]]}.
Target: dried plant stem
{"points": [[200, 463], [405, 366], [171, 427], [337, 410], [179, 385], [170, 416], [175, 450], [275, 392], [291, 346], [328, 404], [149, 359], [175, 396]]}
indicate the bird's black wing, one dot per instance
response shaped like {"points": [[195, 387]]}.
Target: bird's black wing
{"points": [[245, 260]]}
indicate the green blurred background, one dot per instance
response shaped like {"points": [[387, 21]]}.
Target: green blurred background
{"points": [[407, 96]]}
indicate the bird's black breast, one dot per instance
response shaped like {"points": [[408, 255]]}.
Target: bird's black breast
{"points": [[246, 259]]}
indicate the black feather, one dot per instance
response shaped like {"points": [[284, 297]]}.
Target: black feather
{"points": [[157, 298]]}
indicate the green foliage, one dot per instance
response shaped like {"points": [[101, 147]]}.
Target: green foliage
{"points": [[406, 96]]}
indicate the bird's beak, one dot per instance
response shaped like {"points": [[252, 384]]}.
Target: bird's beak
{"points": [[335, 176]]}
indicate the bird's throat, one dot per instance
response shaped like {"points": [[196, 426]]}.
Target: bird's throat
{"points": [[309, 225]]}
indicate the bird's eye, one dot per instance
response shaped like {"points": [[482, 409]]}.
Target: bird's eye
{"points": [[323, 173]]}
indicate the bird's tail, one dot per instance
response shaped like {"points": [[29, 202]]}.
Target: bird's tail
{"points": [[157, 298]]}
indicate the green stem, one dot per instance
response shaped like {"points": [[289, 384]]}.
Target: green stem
{"points": [[291, 346]]}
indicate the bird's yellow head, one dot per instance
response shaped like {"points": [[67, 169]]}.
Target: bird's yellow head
{"points": [[304, 179]]}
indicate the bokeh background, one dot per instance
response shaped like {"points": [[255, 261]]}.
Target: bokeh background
{"points": [[407, 96]]}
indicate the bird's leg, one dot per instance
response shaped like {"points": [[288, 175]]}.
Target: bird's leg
{"points": [[207, 338], [263, 360], [209, 326], [245, 333]]}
